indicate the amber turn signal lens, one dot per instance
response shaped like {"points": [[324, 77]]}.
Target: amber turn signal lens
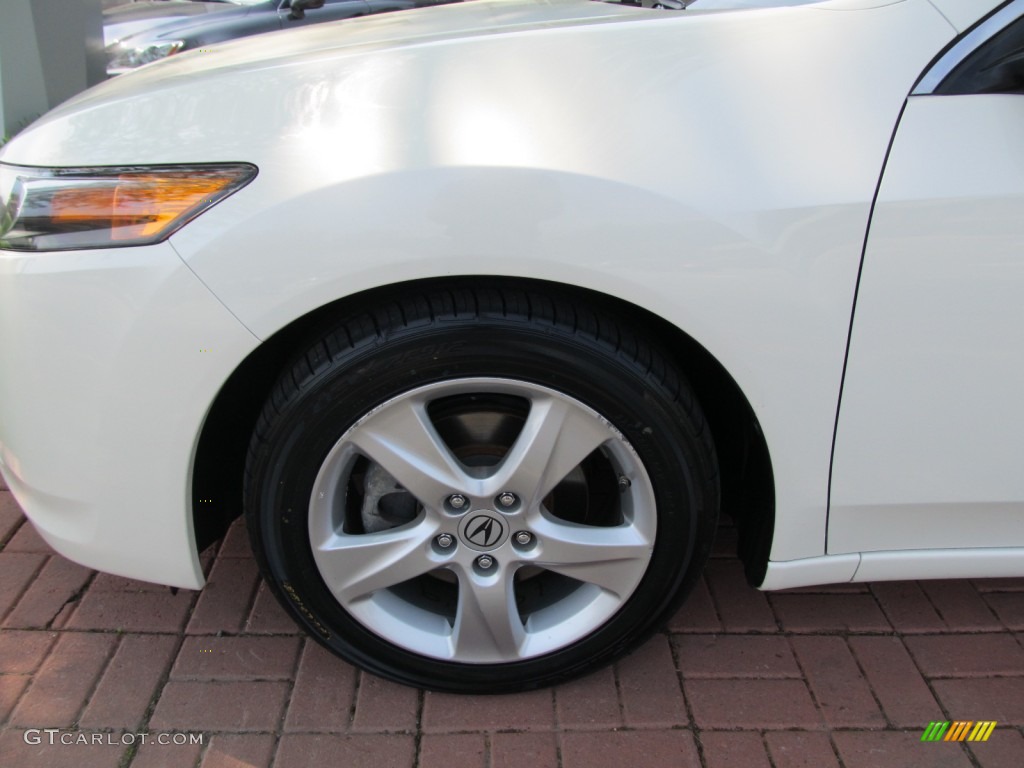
{"points": [[60, 209]]}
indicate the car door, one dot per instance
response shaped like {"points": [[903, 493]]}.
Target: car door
{"points": [[331, 11], [930, 435]]}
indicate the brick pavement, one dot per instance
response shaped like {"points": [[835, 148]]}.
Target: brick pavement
{"points": [[837, 676]]}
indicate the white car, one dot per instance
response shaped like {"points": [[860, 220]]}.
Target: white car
{"points": [[481, 314]]}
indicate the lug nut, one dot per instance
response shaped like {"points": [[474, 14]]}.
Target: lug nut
{"points": [[456, 501], [444, 540], [523, 538], [624, 482], [506, 499], [485, 561]]}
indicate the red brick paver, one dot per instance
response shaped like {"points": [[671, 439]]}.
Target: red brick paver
{"points": [[741, 608], [129, 606], [629, 748], [649, 687], [895, 749], [220, 706], [364, 751], [989, 655], [899, 685], [801, 749], [591, 703], [1002, 751], [524, 750], [235, 750], [726, 749], [236, 658], [814, 613], [54, 587], [382, 705], [133, 677], [839, 688], [62, 686], [995, 698], [11, 518], [465, 750], [226, 599], [751, 704], [17, 571], [698, 614], [735, 656], [839, 676], [533, 711], [322, 694]]}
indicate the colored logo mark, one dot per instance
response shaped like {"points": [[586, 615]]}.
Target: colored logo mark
{"points": [[959, 730]]}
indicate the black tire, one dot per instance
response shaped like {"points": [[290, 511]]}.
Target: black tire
{"points": [[533, 340]]}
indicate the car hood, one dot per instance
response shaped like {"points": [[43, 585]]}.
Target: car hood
{"points": [[475, 17], [122, 21], [435, 24], [255, 76]]}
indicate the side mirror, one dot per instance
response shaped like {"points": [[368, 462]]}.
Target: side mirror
{"points": [[299, 8]]}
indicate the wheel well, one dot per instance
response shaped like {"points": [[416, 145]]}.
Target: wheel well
{"points": [[748, 490]]}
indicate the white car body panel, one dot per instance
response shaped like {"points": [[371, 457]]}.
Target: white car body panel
{"points": [[104, 472], [897, 565], [990, 563], [502, 188], [964, 13], [826, 569], [759, 267], [751, 246], [928, 441]]}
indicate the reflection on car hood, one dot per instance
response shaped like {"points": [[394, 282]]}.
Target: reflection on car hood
{"points": [[435, 23], [132, 18], [722, 5], [424, 26]]}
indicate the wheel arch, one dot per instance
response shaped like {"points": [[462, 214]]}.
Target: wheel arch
{"points": [[748, 489]]}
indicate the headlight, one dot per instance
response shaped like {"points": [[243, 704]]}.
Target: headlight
{"points": [[56, 209], [122, 56]]}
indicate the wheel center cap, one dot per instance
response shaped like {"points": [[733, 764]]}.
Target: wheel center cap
{"points": [[483, 531]]}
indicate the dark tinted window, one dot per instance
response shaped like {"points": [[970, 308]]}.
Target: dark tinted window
{"points": [[997, 66]]}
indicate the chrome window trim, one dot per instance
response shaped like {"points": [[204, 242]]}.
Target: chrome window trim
{"points": [[967, 44]]}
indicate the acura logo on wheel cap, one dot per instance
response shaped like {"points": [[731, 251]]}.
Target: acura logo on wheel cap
{"points": [[483, 532]]}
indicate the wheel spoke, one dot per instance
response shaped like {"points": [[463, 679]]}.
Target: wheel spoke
{"points": [[556, 437], [401, 438], [614, 559], [355, 566], [487, 624]]}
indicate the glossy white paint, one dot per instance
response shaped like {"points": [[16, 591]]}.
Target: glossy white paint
{"points": [[104, 385], [941, 564], [963, 13], [445, 155], [928, 443], [899, 565], [854, 5], [716, 168], [827, 569]]}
